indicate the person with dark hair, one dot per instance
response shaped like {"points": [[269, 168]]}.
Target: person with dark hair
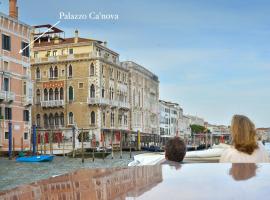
{"points": [[175, 150]]}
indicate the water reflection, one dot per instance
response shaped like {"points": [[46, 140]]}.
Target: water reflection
{"points": [[243, 171], [96, 184]]}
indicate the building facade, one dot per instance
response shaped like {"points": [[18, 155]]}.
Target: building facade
{"points": [[143, 98], [79, 84], [170, 118], [184, 126], [15, 81], [263, 134], [195, 120]]}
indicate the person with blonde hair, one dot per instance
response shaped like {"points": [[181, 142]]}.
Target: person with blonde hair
{"points": [[246, 148]]}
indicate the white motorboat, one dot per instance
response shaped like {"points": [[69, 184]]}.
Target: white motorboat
{"points": [[209, 155]]}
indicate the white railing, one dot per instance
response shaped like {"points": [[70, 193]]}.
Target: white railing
{"points": [[52, 103], [123, 105], [10, 96], [101, 101], [94, 55], [92, 101], [28, 100], [123, 127], [7, 96], [2, 95]]}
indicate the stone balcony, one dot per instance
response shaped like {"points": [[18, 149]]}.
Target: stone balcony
{"points": [[107, 102], [97, 101], [74, 57], [27, 100], [52, 103], [7, 96]]}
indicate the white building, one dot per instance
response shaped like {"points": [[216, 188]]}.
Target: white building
{"points": [[218, 129], [263, 133], [169, 117], [184, 126], [195, 120]]}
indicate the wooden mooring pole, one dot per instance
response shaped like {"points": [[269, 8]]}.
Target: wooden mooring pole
{"points": [[73, 142], [21, 143], [121, 152], [13, 147], [82, 140], [112, 142]]}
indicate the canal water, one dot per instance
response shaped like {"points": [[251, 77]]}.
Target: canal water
{"points": [[13, 174]]}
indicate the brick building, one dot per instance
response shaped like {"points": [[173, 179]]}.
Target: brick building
{"points": [[15, 80]]}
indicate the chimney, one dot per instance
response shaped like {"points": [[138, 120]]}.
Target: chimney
{"points": [[76, 38], [105, 43], [13, 9]]}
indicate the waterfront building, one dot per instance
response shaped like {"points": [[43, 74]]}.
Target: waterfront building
{"points": [[195, 120], [170, 117], [79, 85], [144, 99], [15, 80], [263, 134], [184, 127], [218, 133]]}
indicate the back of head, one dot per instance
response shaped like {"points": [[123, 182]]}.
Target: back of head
{"points": [[243, 134], [175, 149]]}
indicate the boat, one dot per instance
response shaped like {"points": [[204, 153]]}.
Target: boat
{"points": [[40, 158], [209, 155]]}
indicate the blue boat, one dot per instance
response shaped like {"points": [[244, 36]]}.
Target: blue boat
{"points": [[41, 158]]}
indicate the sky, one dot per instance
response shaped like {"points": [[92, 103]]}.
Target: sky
{"points": [[212, 56]]}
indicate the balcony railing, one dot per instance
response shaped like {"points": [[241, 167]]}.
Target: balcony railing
{"points": [[28, 100], [2, 95], [113, 103], [123, 105], [52, 103], [7, 96], [94, 55], [94, 101]]}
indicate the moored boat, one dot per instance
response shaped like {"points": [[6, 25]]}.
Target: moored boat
{"points": [[40, 158]]}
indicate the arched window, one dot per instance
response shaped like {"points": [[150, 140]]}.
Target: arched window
{"points": [[51, 120], [93, 118], [103, 93], [92, 91], [45, 117], [45, 94], [55, 72], [38, 73], [70, 71], [134, 97], [56, 94], [51, 94], [51, 72], [38, 96], [110, 93], [62, 120], [104, 119], [61, 94], [139, 98], [92, 70], [112, 119], [38, 120], [70, 93], [70, 118], [56, 119]]}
